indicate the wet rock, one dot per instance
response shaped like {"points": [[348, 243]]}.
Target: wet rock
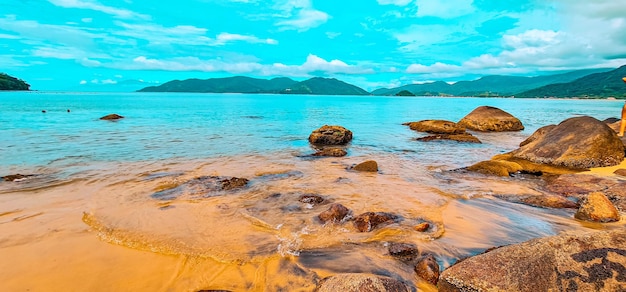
{"points": [[311, 199], [205, 186], [427, 268], [490, 119], [112, 117], [361, 283], [330, 135], [16, 177], [369, 166], [582, 262], [466, 137], [548, 201], [405, 252], [291, 208], [620, 172], [580, 185], [597, 208], [581, 142], [335, 213], [436, 127], [331, 152], [422, 227], [233, 183], [368, 221], [537, 134], [496, 167]]}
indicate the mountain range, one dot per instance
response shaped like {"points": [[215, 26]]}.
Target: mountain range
{"points": [[590, 83]]}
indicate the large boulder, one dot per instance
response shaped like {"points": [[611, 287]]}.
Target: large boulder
{"points": [[490, 119], [330, 135], [361, 283], [588, 262], [597, 208], [436, 127], [580, 142]]}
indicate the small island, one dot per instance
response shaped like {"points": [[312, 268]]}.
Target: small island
{"points": [[8, 82]]}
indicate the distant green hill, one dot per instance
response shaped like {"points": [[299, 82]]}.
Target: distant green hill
{"points": [[324, 86], [598, 85], [11, 83], [238, 84], [495, 85]]}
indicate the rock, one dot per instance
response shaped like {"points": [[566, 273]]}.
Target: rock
{"points": [[331, 152], [621, 172], [427, 268], [422, 227], [597, 208], [582, 262], [331, 135], [490, 119], [537, 134], [496, 167], [368, 221], [233, 183], [311, 199], [405, 252], [369, 165], [361, 283], [436, 127], [549, 201], [611, 120], [16, 177], [335, 213], [580, 185], [112, 117], [205, 186], [466, 137], [581, 142]]}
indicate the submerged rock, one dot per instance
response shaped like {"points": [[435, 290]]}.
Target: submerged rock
{"points": [[367, 222], [436, 127], [490, 119], [331, 152], [405, 252], [427, 268], [597, 208], [465, 137], [361, 283], [112, 117], [330, 135], [581, 142], [202, 186], [335, 213], [584, 262], [311, 199], [368, 166], [16, 177]]}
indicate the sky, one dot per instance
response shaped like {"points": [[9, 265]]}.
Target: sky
{"points": [[91, 45]]}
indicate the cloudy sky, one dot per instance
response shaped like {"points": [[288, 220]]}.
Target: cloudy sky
{"points": [[74, 44]]}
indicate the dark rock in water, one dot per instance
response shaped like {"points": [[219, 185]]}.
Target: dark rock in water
{"points": [[436, 127], [490, 119], [361, 283], [367, 222], [311, 199], [537, 134], [580, 185], [112, 117], [568, 262], [331, 152], [466, 137], [205, 186], [14, 177], [581, 142], [335, 213], [427, 268], [405, 252], [331, 135], [597, 208], [548, 201], [620, 172], [369, 166]]}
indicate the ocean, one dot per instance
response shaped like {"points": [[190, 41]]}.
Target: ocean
{"points": [[90, 217]]}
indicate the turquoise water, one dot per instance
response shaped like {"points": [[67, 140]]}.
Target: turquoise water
{"points": [[190, 126]]}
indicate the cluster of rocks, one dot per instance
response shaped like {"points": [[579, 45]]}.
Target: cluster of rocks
{"points": [[330, 140]]}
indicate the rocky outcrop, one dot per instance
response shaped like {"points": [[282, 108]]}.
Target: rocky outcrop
{"points": [[465, 137], [597, 208], [331, 152], [436, 127], [330, 135], [537, 134], [112, 117], [367, 222], [490, 119], [587, 262], [367, 166], [581, 185], [335, 213], [361, 283], [581, 142], [204, 186]]}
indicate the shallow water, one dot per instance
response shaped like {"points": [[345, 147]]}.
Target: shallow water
{"points": [[95, 216]]}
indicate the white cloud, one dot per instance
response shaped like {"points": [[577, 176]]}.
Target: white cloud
{"points": [[394, 2], [224, 38], [332, 35], [299, 15], [434, 68], [444, 8], [95, 5], [83, 82]]}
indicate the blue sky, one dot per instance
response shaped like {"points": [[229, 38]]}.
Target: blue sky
{"points": [[91, 44]]}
